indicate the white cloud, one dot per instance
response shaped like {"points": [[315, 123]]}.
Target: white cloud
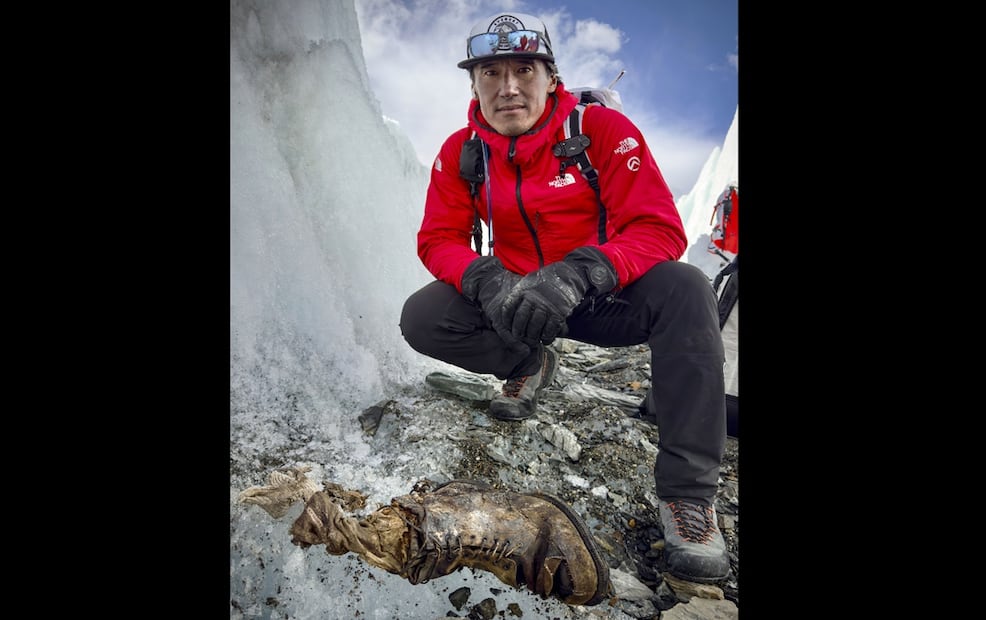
{"points": [[590, 34]]}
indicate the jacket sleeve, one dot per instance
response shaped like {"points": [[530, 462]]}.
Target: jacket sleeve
{"points": [[643, 224], [445, 236]]}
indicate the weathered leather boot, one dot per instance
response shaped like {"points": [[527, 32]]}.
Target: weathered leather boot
{"points": [[525, 539]]}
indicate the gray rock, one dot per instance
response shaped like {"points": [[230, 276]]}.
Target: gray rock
{"points": [[702, 609], [628, 587], [579, 392], [562, 438], [469, 386]]}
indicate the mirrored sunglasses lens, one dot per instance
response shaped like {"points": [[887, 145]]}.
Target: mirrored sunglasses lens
{"points": [[523, 41], [483, 44]]}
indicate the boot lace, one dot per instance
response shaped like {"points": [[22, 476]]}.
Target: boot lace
{"points": [[513, 386], [495, 550], [694, 522]]}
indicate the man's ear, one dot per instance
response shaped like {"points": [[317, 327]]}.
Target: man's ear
{"points": [[553, 84]]}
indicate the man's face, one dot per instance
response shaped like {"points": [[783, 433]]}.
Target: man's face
{"points": [[512, 93]]}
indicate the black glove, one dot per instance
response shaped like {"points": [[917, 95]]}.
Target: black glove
{"points": [[486, 282], [538, 306]]}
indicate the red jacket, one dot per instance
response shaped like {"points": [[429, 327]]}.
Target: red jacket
{"points": [[643, 224]]}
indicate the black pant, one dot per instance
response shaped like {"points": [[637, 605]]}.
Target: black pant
{"points": [[672, 308]]}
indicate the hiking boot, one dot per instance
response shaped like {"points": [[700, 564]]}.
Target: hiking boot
{"points": [[524, 539], [520, 395], [693, 546]]}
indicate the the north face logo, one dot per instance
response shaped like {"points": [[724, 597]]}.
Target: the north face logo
{"points": [[626, 145], [560, 181]]}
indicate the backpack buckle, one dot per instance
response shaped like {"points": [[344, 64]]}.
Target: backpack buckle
{"points": [[572, 146]]}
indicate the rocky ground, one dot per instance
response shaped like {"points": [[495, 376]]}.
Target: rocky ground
{"points": [[587, 444]]}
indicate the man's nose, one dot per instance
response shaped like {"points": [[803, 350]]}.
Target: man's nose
{"points": [[509, 86]]}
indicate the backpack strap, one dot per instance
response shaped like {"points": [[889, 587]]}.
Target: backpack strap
{"points": [[472, 168], [573, 150]]}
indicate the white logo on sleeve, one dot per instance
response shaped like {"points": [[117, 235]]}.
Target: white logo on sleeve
{"points": [[560, 181], [633, 163], [626, 145]]}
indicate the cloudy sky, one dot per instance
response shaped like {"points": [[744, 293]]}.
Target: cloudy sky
{"points": [[680, 56]]}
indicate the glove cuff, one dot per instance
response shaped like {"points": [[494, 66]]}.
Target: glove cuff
{"points": [[478, 272], [595, 268]]}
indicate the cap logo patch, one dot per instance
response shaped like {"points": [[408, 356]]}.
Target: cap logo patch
{"points": [[505, 23]]}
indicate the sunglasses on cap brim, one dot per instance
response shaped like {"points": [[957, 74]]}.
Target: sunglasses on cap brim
{"points": [[516, 41]]}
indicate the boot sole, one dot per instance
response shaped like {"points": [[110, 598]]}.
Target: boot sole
{"points": [[507, 417], [604, 589], [694, 579]]}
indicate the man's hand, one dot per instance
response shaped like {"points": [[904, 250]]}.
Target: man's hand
{"points": [[487, 283], [537, 307]]}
